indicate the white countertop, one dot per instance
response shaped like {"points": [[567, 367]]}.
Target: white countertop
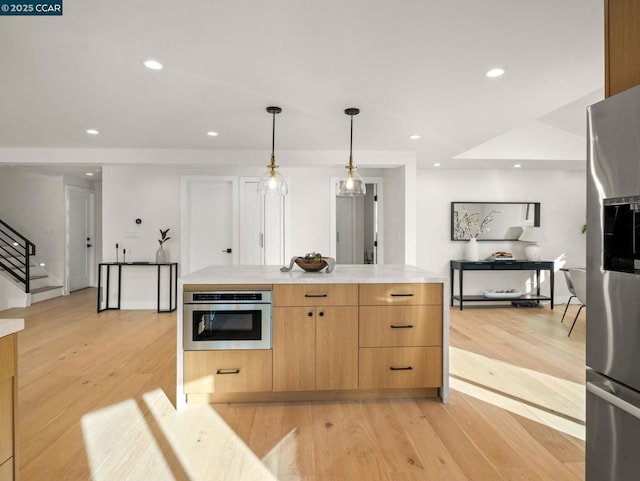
{"points": [[10, 326], [342, 274]]}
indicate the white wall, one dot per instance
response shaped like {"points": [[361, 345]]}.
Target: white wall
{"points": [[562, 196], [153, 195], [33, 204]]}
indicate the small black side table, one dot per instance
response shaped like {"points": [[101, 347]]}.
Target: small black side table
{"points": [[510, 265], [172, 288]]}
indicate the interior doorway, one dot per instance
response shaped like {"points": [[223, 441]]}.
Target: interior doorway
{"points": [[80, 251], [209, 222], [356, 224]]}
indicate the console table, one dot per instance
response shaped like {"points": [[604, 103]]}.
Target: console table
{"points": [[172, 288], [510, 265]]}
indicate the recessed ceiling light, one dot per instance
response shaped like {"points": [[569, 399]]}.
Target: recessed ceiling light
{"points": [[436, 165], [90, 174], [92, 132], [414, 137], [153, 64], [516, 166], [211, 133], [495, 72]]}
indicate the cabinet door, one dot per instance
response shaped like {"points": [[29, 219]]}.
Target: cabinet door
{"points": [[336, 348], [6, 419], [294, 347], [6, 470]]}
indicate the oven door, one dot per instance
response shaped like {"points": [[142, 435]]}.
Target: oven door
{"points": [[227, 326]]}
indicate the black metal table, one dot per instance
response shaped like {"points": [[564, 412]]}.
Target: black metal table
{"points": [[173, 282], [510, 265]]}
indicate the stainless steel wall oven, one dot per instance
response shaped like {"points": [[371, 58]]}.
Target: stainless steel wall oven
{"points": [[227, 320]]}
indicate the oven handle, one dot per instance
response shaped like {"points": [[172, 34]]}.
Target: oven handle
{"points": [[228, 371]]}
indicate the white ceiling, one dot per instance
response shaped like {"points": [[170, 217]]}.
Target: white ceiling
{"points": [[411, 66]]}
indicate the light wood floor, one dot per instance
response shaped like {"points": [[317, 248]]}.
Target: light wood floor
{"points": [[514, 374]]}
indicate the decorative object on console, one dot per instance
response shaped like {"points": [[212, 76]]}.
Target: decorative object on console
{"points": [[501, 256], [313, 262], [352, 185], [532, 235], [161, 254], [272, 182], [502, 294], [471, 250]]}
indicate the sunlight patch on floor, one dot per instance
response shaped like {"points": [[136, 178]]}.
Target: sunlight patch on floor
{"points": [[122, 444], [555, 402]]}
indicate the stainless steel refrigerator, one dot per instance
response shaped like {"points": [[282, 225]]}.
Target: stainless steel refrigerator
{"points": [[613, 289]]}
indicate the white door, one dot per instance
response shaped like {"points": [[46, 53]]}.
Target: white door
{"points": [[344, 230], [262, 226], [208, 222], [80, 239]]}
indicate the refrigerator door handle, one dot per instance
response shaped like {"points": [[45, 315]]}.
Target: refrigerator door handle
{"points": [[606, 394]]}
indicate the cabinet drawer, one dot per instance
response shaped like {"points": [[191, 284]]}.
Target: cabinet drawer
{"points": [[6, 470], [400, 367], [227, 371], [389, 326], [8, 356], [315, 295], [400, 294]]}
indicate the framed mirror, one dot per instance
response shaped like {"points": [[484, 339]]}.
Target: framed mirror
{"points": [[492, 221]]}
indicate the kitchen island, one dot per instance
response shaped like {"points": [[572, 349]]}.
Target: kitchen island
{"points": [[359, 332]]}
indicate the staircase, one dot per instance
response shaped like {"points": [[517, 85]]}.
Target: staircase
{"points": [[18, 265]]}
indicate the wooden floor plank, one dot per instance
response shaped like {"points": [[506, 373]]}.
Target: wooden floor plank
{"points": [[74, 362]]}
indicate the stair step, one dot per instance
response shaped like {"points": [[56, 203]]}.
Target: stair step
{"points": [[37, 290], [33, 278]]}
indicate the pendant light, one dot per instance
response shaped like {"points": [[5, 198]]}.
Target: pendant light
{"points": [[272, 182], [352, 185]]}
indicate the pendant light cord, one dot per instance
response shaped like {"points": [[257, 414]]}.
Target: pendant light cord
{"points": [[273, 139], [351, 145]]}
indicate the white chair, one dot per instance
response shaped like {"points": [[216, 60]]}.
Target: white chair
{"points": [[567, 278], [579, 279]]}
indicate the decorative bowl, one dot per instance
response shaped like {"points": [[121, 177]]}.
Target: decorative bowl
{"points": [[314, 265]]}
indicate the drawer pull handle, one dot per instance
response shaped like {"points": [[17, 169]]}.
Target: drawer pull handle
{"points": [[402, 295], [408, 368], [404, 326], [315, 295], [228, 371]]}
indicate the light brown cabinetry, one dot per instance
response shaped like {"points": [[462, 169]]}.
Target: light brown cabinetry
{"points": [[315, 337], [8, 404], [400, 336], [622, 45], [218, 372]]}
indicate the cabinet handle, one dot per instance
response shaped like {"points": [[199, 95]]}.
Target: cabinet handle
{"points": [[402, 295], [408, 368], [315, 295], [310, 314], [404, 326], [228, 371], [321, 313]]}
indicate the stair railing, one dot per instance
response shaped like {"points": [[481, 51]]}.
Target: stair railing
{"points": [[15, 254]]}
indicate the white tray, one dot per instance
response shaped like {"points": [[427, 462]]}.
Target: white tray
{"points": [[502, 295]]}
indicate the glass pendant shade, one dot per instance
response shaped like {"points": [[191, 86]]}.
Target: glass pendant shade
{"points": [[272, 182], [352, 184]]}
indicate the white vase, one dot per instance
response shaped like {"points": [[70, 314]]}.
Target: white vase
{"points": [[161, 256], [471, 250]]}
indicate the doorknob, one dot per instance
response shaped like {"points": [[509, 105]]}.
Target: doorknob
{"points": [[228, 251], [89, 245]]}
